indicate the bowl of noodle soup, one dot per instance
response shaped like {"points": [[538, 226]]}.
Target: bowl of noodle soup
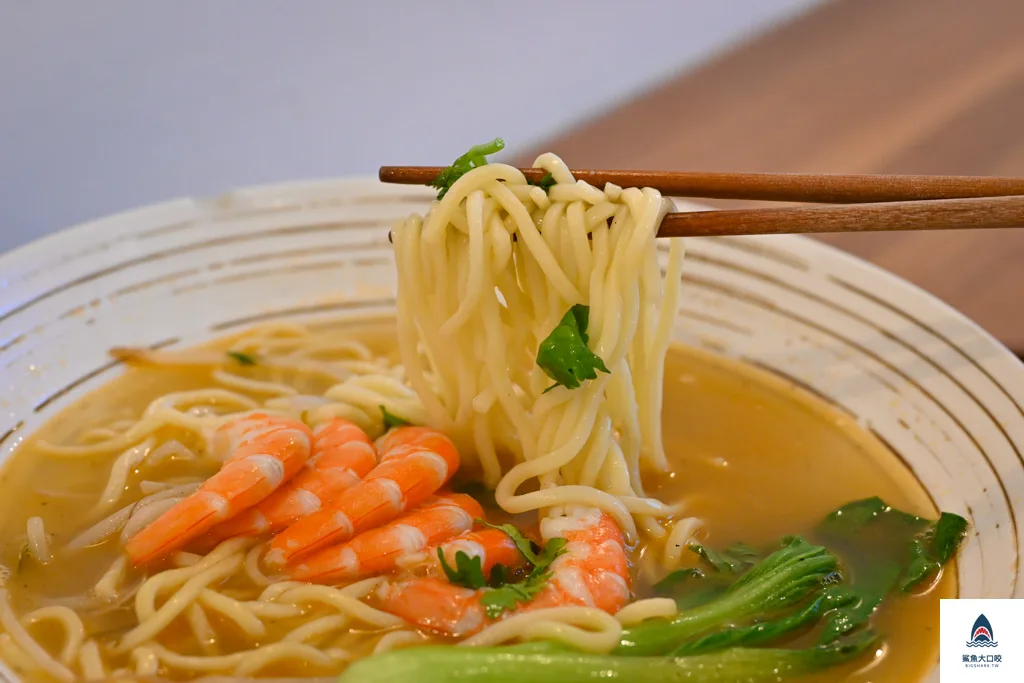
{"points": [[738, 393]]}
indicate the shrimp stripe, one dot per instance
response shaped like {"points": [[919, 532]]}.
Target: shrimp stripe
{"points": [[381, 550], [342, 455], [268, 451], [414, 463]]}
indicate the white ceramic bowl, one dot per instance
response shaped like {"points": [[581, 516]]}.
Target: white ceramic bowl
{"points": [[942, 393]]}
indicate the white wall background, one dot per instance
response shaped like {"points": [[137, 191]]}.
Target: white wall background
{"points": [[108, 104]]}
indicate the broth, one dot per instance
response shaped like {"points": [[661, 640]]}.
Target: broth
{"points": [[771, 460], [755, 457]]}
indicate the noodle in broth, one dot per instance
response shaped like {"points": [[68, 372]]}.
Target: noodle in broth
{"points": [[483, 279]]}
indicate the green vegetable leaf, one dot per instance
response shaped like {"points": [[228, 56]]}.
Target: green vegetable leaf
{"points": [[468, 572], [781, 580], [545, 183], [733, 560], [242, 358], [476, 156], [885, 549], [677, 579], [691, 587], [761, 632], [564, 355], [392, 420], [933, 548], [548, 661]]}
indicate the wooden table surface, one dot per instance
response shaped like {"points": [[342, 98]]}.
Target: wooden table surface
{"points": [[855, 86]]}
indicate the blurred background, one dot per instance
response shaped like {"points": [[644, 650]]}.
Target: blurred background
{"points": [[108, 105]]}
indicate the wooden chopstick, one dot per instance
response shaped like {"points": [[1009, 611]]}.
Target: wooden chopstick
{"points": [[937, 214], [782, 187]]}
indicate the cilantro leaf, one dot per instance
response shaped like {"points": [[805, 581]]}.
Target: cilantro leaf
{"points": [[476, 156], [930, 550], [525, 545], [499, 576], [545, 183], [886, 550], [553, 548], [540, 558], [392, 420], [468, 572], [242, 358], [564, 355], [509, 595]]}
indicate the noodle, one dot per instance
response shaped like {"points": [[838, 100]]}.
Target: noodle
{"points": [[242, 663], [202, 629], [683, 533], [24, 641], [153, 622], [642, 610], [106, 587], [15, 656], [446, 308], [90, 662], [315, 630], [69, 621], [108, 526], [125, 462], [345, 600], [38, 541], [584, 628], [395, 640], [483, 279]]}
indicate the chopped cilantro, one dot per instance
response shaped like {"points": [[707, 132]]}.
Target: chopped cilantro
{"points": [[242, 358], [525, 545], [545, 183], [499, 576], [392, 420], [508, 595], [564, 355], [468, 572], [476, 156]]}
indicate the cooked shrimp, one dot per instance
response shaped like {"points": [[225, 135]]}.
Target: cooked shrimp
{"points": [[342, 455], [414, 463], [593, 572], [381, 550], [492, 546], [266, 451]]}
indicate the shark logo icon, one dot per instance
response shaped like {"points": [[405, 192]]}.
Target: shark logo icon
{"points": [[982, 634]]}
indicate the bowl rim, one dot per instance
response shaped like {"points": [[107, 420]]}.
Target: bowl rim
{"points": [[300, 191]]}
